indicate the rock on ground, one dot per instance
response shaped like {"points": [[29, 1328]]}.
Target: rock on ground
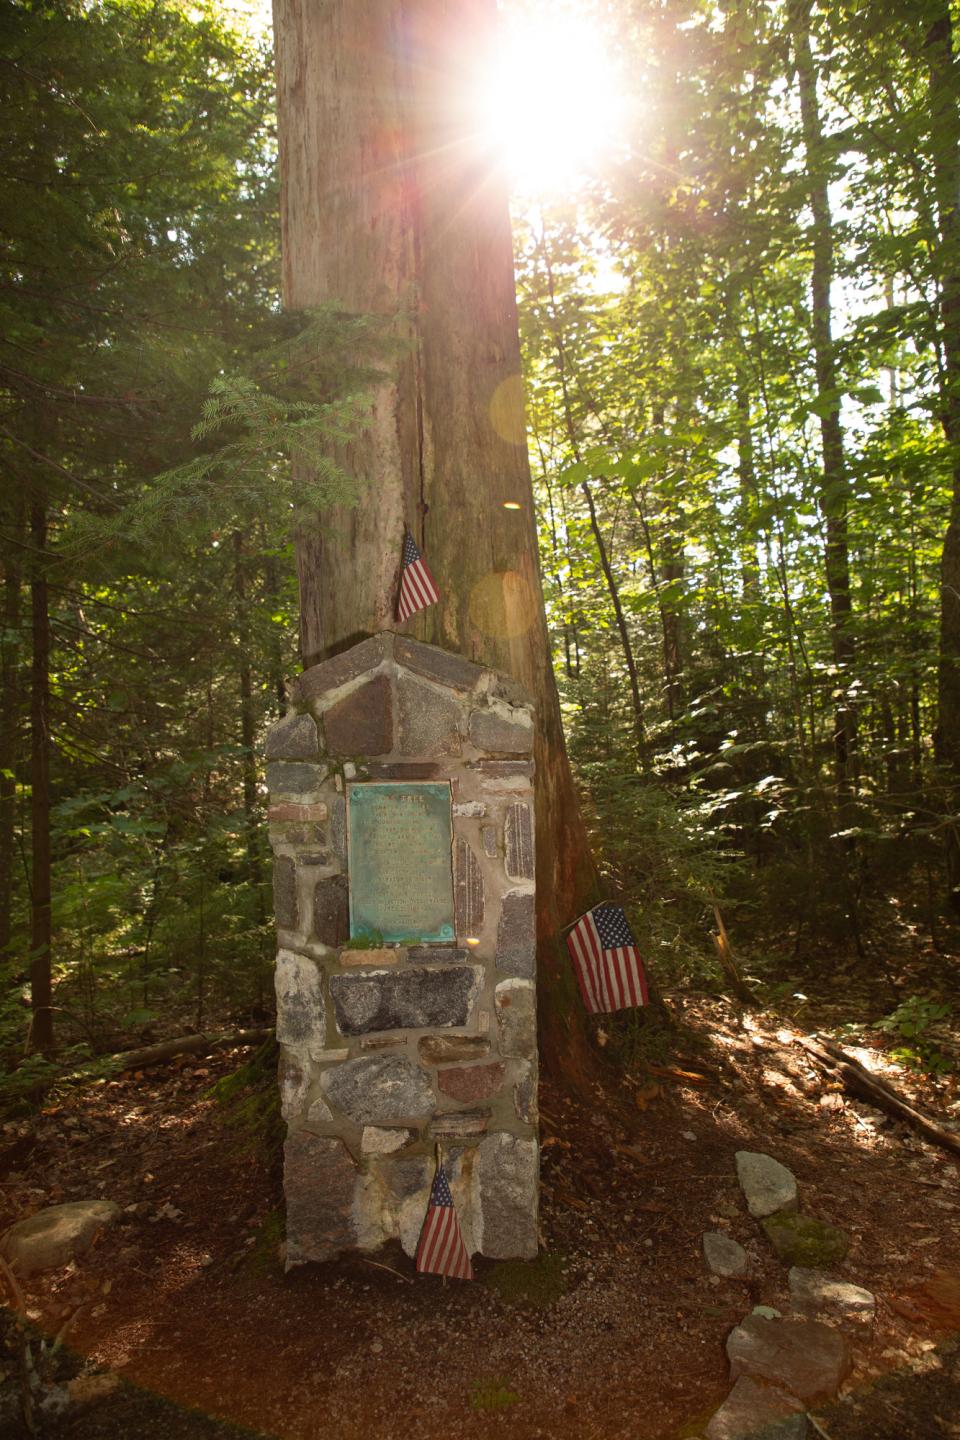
{"points": [[805, 1357], [724, 1256], [56, 1235], [816, 1291], [760, 1412], [804, 1240], [767, 1185]]}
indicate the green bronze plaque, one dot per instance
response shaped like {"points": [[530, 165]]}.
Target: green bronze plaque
{"points": [[401, 878]]}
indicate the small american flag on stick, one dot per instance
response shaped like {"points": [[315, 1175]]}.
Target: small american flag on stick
{"points": [[441, 1250], [417, 586], [606, 961]]}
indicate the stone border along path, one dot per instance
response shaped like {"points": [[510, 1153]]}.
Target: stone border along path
{"points": [[781, 1366]]}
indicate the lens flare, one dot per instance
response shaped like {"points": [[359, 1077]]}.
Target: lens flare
{"points": [[549, 101]]}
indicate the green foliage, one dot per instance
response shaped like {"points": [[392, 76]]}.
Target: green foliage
{"points": [[277, 458], [913, 1022], [492, 1395], [250, 1103], [369, 940]]}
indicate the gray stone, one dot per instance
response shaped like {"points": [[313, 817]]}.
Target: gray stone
{"points": [[420, 954], [489, 837], [467, 889], [293, 738], [470, 810], [409, 1176], [502, 769], [724, 1256], [767, 1311], [501, 729], [805, 1357], [515, 1002], [525, 1097], [319, 1181], [338, 825], [288, 777], [804, 1240], [767, 1185], [436, 664], [404, 770], [509, 1176], [331, 912], [518, 843], [329, 675], [517, 934], [504, 687], [319, 1113], [428, 721], [301, 1017], [285, 904], [294, 1078], [818, 1293], [379, 1089], [405, 999], [56, 1235], [459, 1124], [376, 1140], [362, 722], [758, 1412]]}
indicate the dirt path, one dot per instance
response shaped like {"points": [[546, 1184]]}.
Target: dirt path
{"points": [[617, 1331]]}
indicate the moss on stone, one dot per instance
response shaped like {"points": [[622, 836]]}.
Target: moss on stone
{"points": [[804, 1240], [536, 1283]]}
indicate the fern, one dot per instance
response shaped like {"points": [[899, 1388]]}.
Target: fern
{"points": [[272, 442]]}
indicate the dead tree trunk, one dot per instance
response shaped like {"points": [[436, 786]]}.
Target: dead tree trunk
{"points": [[389, 206]]}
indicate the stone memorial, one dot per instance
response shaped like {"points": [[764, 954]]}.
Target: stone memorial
{"points": [[401, 822]]}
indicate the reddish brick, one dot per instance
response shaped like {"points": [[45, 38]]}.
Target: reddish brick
{"points": [[472, 1082]]}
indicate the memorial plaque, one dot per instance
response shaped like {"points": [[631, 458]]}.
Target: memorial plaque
{"points": [[401, 880]]}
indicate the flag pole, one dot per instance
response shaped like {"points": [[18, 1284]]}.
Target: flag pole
{"points": [[439, 1158]]}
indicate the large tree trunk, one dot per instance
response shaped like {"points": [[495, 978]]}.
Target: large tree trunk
{"points": [[41, 930], [835, 482], [945, 129], [389, 206]]}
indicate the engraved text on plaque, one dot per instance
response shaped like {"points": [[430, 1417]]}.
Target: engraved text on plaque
{"points": [[401, 882]]}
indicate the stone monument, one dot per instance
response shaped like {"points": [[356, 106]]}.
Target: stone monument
{"points": [[401, 821]]}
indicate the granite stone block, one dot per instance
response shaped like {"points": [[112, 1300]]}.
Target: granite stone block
{"points": [[331, 917], [285, 904], [410, 999], [379, 1090], [517, 934], [427, 720], [293, 738], [319, 1181], [362, 722]]}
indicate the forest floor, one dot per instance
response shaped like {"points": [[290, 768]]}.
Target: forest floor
{"points": [[617, 1330]]}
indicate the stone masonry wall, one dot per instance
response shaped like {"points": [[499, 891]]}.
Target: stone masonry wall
{"points": [[385, 1052]]}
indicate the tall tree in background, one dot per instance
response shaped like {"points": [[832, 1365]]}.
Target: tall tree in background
{"points": [[940, 50], [388, 206]]}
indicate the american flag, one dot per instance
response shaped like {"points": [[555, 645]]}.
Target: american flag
{"points": [[417, 586], [441, 1250], [606, 960]]}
